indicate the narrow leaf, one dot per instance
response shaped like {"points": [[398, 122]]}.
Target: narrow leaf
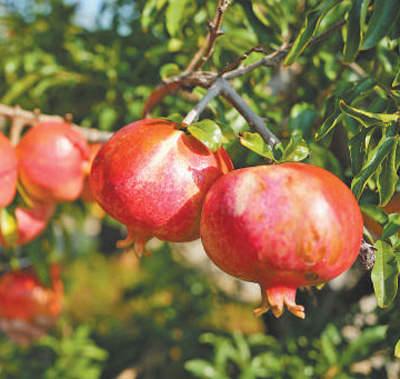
{"points": [[358, 150], [396, 81], [385, 274], [388, 178], [353, 35], [376, 213], [308, 30], [377, 157], [367, 118], [254, 142], [383, 17], [174, 15], [207, 132], [392, 227]]}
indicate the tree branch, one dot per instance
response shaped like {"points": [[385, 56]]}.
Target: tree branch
{"points": [[207, 48], [21, 118]]}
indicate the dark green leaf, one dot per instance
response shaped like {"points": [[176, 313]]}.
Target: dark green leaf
{"points": [[353, 35], [387, 177], [385, 274], [376, 213], [367, 118], [396, 80], [254, 142], [382, 19], [358, 150], [392, 227], [376, 158], [296, 150], [207, 132], [308, 30]]}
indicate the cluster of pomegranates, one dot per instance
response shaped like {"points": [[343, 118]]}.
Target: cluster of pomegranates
{"points": [[282, 226]]}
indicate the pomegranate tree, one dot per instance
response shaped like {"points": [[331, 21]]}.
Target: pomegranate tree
{"points": [[30, 223], [8, 171], [282, 226], [24, 297], [53, 160], [153, 177]]}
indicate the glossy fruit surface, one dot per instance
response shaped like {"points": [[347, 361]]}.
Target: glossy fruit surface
{"points": [[53, 158], [30, 223], [24, 297], [282, 226], [153, 178], [8, 171]]}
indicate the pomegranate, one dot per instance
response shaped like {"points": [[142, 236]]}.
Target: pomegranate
{"points": [[8, 171], [53, 158], [153, 178], [31, 222], [282, 226], [86, 194], [23, 297]]}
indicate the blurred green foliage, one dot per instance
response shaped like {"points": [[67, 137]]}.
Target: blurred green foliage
{"points": [[335, 105]]}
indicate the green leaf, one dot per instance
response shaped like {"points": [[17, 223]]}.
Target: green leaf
{"points": [[396, 80], [376, 213], [308, 30], [8, 226], [296, 150], [358, 150], [207, 132], [353, 35], [203, 369], [392, 227], [359, 349], [387, 177], [168, 70], [384, 275], [149, 11], [174, 15], [397, 349], [367, 119], [376, 158], [383, 17], [254, 142]]}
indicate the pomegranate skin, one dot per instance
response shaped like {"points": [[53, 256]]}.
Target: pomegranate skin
{"points": [[52, 162], [23, 297], [86, 194], [282, 226], [31, 222], [8, 171], [153, 178]]}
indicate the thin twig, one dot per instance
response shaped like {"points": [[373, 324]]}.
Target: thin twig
{"points": [[224, 88], [21, 118], [207, 48]]}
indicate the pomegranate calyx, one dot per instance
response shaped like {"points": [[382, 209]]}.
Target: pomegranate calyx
{"points": [[276, 298], [135, 243]]}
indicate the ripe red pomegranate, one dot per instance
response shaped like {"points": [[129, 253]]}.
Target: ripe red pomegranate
{"points": [[87, 194], [53, 158], [8, 171], [153, 178], [31, 222], [282, 226], [23, 296]]}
